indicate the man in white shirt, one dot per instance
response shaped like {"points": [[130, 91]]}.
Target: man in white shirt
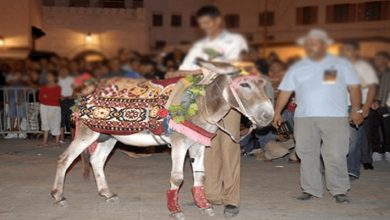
{"points": [[65, 81], [359, 150], [222, 160]]}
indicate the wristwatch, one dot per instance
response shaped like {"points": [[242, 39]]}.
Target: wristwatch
{"points": [[359, 111]]}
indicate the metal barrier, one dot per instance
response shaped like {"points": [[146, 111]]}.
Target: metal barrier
{"points": [[19, 110]]}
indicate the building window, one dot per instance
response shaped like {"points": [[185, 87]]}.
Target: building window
{"points": [[48, 2], [232, 21], [160, 44], [373, 11], [341, 13], [193, 21], [267, 18], [307, 15], [112, 3], [176, 20], [79, 3], [157, 20], [137, 4]]}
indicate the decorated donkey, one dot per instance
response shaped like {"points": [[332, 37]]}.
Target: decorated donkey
{"points": [[224, 89]]}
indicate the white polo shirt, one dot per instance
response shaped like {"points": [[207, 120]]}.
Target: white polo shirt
{"points": [[226, 47]]}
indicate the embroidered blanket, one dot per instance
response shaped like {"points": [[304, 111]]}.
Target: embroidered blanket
{"points": [[124, 106]]}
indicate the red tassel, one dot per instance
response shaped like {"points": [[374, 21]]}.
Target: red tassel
{"points": [[199, 197], [173, 200]]}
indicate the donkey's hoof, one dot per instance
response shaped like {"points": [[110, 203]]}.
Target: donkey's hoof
{"points": [[208, 211], [62, 203], [113, 199], [178, 216]]}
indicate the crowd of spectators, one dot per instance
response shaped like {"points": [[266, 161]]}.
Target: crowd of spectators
{"points": [[49, 75]]}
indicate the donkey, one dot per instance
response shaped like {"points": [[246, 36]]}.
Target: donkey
{"points": [[225, 90]]}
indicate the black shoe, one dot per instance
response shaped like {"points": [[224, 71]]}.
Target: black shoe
{"points": [[305, 196], [231, 211], [342, 198], [368, 166]]}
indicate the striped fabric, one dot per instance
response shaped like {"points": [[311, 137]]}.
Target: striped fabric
{"points": [[384, 87]]}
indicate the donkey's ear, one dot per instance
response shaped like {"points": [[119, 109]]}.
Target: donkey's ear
{"points": [[208, 76], [217, 67]]}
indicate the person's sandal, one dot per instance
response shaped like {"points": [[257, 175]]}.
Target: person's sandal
{"points": [[305, 196], [342, 198]]}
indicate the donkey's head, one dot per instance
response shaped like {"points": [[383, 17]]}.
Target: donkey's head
{"points": [[244, 93]]}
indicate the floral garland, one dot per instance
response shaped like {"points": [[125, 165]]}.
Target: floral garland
{"points": [[188, 106]]}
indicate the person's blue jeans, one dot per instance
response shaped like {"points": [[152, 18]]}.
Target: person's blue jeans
{"points": [[257, 140], [358, 141]]}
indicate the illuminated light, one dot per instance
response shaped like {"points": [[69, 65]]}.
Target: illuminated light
{"points": [[2, 41], [88, 38]]}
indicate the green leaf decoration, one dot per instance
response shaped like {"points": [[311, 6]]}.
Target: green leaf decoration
{"points": [[192, 109], [188, 108], [179, 119]]}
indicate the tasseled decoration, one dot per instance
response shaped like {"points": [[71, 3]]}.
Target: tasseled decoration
{"points": [[173, 200], [199, 197], [192, 131]]}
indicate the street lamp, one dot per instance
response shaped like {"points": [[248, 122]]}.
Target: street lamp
{"points": [[2, 41], [88, 38]]}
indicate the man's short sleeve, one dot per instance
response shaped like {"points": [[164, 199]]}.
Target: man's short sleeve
{"points": [[369, 76], [240, 45], [288, 83], [350, 74]]}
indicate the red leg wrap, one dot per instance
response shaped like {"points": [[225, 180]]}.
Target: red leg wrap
{"points": [[173, 200], [199, 197]]}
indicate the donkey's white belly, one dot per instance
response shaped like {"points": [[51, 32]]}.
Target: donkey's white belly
{"points": [[141, 139]]}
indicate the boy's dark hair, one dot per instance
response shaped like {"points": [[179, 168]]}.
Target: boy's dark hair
{"points": [[208, 10], [353, 43]]}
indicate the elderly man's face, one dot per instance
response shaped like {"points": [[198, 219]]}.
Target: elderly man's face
{"points": [[315, 48]]}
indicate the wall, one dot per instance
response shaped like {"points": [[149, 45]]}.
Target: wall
{"points": [[111, 29], [174, 36]]}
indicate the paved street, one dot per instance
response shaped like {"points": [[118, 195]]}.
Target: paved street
{"points": [[27, 173]]}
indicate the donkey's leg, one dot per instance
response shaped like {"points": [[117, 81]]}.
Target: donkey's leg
{"points": [[84, 137], [98, 160], [198, 192], [178, 156]]}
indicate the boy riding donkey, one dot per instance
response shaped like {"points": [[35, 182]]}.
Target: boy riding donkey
{"points": [[222, 159]]}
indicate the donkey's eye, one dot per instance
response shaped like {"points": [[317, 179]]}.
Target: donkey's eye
{"points": [[245, 85]]}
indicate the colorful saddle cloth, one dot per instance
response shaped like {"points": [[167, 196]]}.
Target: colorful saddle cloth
{"points": [[124, 106]]}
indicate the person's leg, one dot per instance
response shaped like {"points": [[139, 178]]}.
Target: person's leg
{"points": [[365, 147], [44, 124], [231, 160], [385, 124], [354, 154], [63, 113], [246, 144], [373, 131], [335, 136], [213, 170], [54, 114], [308, 146]]}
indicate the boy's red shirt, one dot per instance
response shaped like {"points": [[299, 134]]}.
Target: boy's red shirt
{"points": [[50, 95]]}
